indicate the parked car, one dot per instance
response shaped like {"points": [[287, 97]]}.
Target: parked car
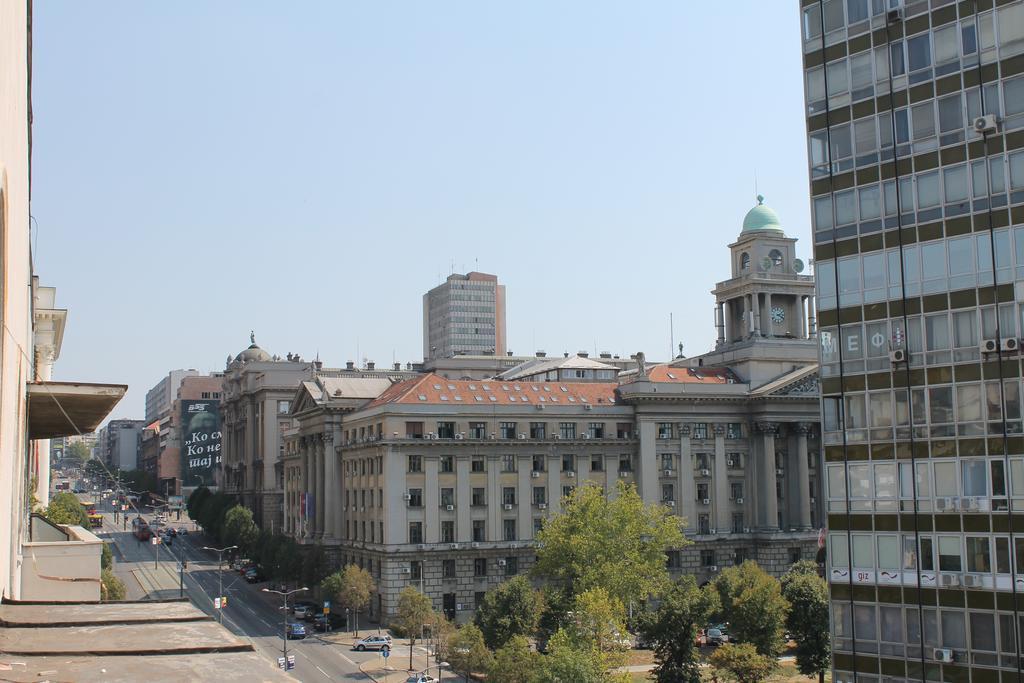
{"points": [[253, 575], [303, 608], [373, 643], [421, 678], [321, 622], [296, 630], [715, 636]]}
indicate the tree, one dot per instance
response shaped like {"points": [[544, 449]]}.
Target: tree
{"points": [[106, 557], [111, 587], [76, 454], [196, 501], [65, 508], [808, 621], [314, 564], [742, 663], [672, 629], [569, 661], [752, 603], [617, 543], [351, 588], [239, 529], [510, 609], [514, 662], [413, 612], [598, 623], [467, 652]]}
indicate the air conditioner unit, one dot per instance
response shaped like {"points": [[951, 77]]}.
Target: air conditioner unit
{"points": [[459, 607], [669, 473], [501, 563], [730, 463], [669, 503], [812, 500], [894, 15], [492, 435], [989, 345], [430, 435], [459, 437], [705, 501], [535, 474], [585, 435], [449, 508], [739, 501], [1009, 344], [421, 546], [454, 546], [362, 509], [542, 506], [571, 474], [746, 529], [508, 506], [950, 580], [713, 568], [475, 545], [623, 474], [987, 123], [522, 437], [406, 497], [558, 437], [972, 581], [943, 654], [406, 570], [780, 472], [898, 356], [705, 473]]}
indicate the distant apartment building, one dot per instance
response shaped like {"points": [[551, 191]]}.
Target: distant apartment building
{"points": [[160, 397], [119, 443], [464, 315]]}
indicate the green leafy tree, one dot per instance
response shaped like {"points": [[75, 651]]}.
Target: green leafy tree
{"points": [[514, 662], [239, 529], [351, 588], [94, 469], [106, 557], [557, 601], [111, 587], [196, 501], [808, 621], [672, 629], [467, 652], [139, 480], [598, 623], [65, 508], [413, 611], [567, 660], [510, 609], [617, 543], [314, 564], [742, 663], [751, 601], [76, 454]]}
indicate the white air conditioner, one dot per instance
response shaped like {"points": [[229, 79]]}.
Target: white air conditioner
{"points": [[508, 506], [501, 563], [972, 581], [739, 501], [535, 474], [950, 580], [894, 15], [813, 500], [571, 474], [623, 474], [449, 508], [542, 506], [421, 546], [1009, 344], [475, 545], [454, 546], [989, 345], [585, 435], [669, 503], [459, 437], [558, 437], [705, 473], [713, 568], [943, 654], [669, 473], [406, 497], [730, 463], [780, 472], [362, 509], [746, 529], [459, 607], [986, 123], [898, 356], [705, 501], [406, 570], [430, 435], [522, 437]]}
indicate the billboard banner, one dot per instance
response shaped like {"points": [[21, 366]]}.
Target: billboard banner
{"points": [[200, 442]]}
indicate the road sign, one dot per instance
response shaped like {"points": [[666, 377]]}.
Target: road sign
{"points": [[385, 653], [291, 662], [280, 662], [327, 604], [216, 603]]}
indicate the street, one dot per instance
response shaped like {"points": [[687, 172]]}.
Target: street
{"points": [[249, 612]]}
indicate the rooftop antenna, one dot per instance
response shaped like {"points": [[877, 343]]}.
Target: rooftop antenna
{"points": [[671, 336]]}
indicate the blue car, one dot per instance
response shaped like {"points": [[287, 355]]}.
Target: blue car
{"points": [[296, 630]]}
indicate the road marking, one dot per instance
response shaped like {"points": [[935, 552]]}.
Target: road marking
{"points": [[344, 657], [322, 671]]}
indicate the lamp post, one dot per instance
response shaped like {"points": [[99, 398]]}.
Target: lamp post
{"points": [[285, 634], [220, 576]]}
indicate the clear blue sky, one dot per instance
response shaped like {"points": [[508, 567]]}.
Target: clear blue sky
{"points": [[308, 170]]}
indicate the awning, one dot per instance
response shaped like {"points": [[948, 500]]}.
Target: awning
{"points": [[58, 408]]}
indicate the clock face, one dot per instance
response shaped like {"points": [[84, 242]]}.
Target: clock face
{"points": [[778, 314]]}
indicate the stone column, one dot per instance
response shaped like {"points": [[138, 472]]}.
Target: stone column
{"points": [[463, 500], [287, 494], [687, 490], [308, 482], [803, 476], [339, 481], [647, 474], [720, 520], [755, 301], [524, 497], [330, 483], [801, 317], [721, 332], [554, 482], [611, 473], [748, 319], [770, 324], [769, 501], [431, 501], [494, 502], [318, 491]]}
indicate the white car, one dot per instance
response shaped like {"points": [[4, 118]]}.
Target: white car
{"points": [[373, 643], [421, 678]]}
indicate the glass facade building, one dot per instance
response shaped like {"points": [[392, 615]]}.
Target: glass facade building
{"points": [[464, 315], [915, 124]]}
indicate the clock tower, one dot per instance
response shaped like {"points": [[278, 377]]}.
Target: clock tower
{"points": [[768, 298]]}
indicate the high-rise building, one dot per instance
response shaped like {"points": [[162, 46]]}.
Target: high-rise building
{"points": [[464, 315], [160, 397], [915, 123]]}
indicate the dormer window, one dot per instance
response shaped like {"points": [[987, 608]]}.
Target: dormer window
{"points": [[744, 261], [776, 256]]}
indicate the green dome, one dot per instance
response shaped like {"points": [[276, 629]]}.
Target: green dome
{"points": [[761, 218]]}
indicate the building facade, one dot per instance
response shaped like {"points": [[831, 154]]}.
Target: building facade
{"points": [[915, 120], [464, 315], [160, 397], [119, 442]]}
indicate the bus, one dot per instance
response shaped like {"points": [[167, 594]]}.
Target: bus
{"points": [[90, 508], [140, 528], [95, 521]]}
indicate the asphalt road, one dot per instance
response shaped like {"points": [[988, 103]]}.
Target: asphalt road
{"points": [[249, 612]]}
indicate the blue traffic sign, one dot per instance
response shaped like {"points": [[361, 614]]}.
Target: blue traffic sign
{"points": [[385, 653], [327, 604]]}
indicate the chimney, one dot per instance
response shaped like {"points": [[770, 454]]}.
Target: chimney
{"points": [[350, 365], [605, 354], [542, 354], [398, 366], [565, 354], [370, 365], [318, 364], [582, 354]]}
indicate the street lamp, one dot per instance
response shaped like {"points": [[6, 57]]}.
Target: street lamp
{"points": [[285, 634], [220, 576]]}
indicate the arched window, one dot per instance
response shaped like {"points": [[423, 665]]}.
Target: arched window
{"points": [[776, 256], [744, 261]]}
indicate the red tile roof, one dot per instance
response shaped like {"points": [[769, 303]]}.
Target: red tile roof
{"points": [[668, 373], [434, 389]]}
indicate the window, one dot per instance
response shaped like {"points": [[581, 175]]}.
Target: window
{"points": [[540, 496], [664, 430], [979, 559], [447, 463], [700, 430], [538, 430], [480, 568], [567, 430], [949, 554], [704, 524], [508, 463], [478, 430], [624, 430], [668, 493], [538, 463], [415, 498], [511, 566], [415, 570], [919, 53], [673, 559], [667, 461], [479, 498], [745, 257], [595, 430], [415, 463], [707, 558], [477, 465], [447, 531], [568, 463], [447, 569], [508, 495], [282, 407], [625, 463], [738, 523], [509, 529], [447, 496], [596, 463], [415, 532], [734, 430], [414, 430], [446, 430], [735, 490], [479, 530], [507, 430]]}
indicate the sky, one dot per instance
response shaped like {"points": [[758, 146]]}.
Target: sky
{"points": [[309, 170]]}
